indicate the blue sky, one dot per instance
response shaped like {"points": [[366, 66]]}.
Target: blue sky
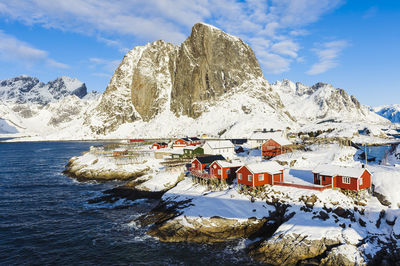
{"points": [[350, 44]]}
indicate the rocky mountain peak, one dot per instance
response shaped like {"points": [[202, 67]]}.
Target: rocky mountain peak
{"points": [[184, 80], [26, 89]]}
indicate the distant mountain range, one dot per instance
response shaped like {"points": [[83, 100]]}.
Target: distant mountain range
{"points": [[211, 83], [391, 112]]}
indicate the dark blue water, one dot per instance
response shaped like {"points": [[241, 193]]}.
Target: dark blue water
{"points": [[45, 217]]}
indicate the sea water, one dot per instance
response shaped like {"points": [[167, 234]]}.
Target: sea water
{"points": [[45, 217]]}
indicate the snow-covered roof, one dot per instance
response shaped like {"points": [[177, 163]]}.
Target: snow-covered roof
{"points": [[281, 140], [220, 144], [225, 164], [191, 147], [265, 135], [270, 167], [336, 170]]}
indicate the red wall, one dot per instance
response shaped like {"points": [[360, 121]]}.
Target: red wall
{"points": [[275, 152], [366, 176], [245, 172], [224, 174], [180, 142], [340, 184], [197, 165]]}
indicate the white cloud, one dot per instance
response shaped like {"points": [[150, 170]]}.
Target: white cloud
{"points": [[287, 47], [271, 27], [327, 56], [17, 51]]}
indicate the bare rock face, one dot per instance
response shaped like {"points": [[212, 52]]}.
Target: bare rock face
{"points": [[152, 79], [290, 250], [209, 64]]}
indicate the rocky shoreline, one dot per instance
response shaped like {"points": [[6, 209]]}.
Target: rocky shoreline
{"points": [[268, 223]]}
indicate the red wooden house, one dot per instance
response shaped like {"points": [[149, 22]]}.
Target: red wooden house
{"points": [[120, 152], [224, 169], [203, 163], [258, 174], [183, 142], [275, 146], [352, 178], [159, 145]]}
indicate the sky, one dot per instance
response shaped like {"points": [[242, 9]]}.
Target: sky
{"points": [[351, 44]]}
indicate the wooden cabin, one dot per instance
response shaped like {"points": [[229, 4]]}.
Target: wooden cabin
{"points": [[183, 142], [203, 163], [159, 145], [258, 174], [224, 169], [352, 178], [275, 146], [120, 152]]}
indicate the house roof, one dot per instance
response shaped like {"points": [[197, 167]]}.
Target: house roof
{"points": [[336, 170], [281, 140], [161, 143], [226, 164], [185, 139], [194, 138], [270, 167], [210, 159], [220, 144]]}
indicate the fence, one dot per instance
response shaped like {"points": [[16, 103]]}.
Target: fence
{"points": [[302, 186]]}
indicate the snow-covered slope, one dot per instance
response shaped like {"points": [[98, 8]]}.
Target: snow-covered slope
{"points": [[391, 112], [25, 89], [6, 128], [323, 107], [32, 108]]}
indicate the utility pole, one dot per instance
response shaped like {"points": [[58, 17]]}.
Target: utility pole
{"points": [[366, 157]]}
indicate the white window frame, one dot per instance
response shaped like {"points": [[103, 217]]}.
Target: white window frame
{"points": [[239, 176], [220, 171], [193, 165], [361, 181], [250, 178], [346, 180], [261, 177]]}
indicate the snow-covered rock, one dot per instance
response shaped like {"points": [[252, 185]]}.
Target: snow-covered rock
{"points": [[391, 112], [25, 89]]}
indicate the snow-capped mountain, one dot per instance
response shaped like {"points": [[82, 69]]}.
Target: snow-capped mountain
{"points": [[322, 102], [25, 89], [211, 83], [391, 112], [32, 108]]}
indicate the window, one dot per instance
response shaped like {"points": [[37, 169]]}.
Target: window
{"points": [[228, 172], [240, 176], [346, 180], [219, 171], [193, 165], [261, 177], [361, 181], [323, 179], [214, 166], [250, 178]]}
